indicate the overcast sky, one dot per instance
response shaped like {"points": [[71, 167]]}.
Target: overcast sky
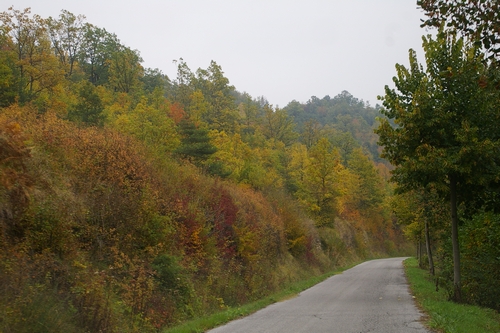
{"points": [[283, 50]]}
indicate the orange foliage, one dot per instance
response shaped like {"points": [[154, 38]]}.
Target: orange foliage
{"points": [[15, 183], [127, 240], [177, 112], [103, 212]]}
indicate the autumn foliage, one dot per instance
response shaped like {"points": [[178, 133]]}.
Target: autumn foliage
{"points": [[130, 205]]}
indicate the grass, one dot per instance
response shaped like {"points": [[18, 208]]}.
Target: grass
{"points": [[203, 324], [443, 315]]}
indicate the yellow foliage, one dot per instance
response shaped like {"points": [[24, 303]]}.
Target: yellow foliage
{"points": [[231, 151], [413, 231]]}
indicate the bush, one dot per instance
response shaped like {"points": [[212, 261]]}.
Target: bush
{"points": [[480, 242]]}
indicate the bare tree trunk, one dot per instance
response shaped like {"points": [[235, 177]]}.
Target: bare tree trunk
{"points": [[419, 255], [428, 247], [457, 292]]}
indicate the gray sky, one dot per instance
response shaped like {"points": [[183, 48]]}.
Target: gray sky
{"points": [[283, 50]]}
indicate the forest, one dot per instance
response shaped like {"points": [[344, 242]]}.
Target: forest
{"points": [[131, 201]]}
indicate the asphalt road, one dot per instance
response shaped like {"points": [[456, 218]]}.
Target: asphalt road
{"points": [[371, 297]]}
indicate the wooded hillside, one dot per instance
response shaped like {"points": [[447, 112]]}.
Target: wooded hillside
{"points": [[130, 201]]}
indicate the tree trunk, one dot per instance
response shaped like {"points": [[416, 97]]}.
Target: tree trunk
{"points": [[428, 247], [419, 255], [457, 292]]}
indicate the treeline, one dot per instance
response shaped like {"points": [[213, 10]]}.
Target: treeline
{"points": [[444, 142], [130, 202]]}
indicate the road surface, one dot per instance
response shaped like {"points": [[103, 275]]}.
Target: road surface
{"points": [[372, 297]]}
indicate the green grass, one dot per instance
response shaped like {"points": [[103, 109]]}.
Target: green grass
{"points": [[443, 315], [205, 323]]}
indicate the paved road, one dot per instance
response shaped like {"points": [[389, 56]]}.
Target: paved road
{"points": [[371, 297]]}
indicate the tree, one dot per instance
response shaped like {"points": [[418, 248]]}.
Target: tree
{"points": [[8, 86], [182, 87], [320, 186], [444, 131], [125, 70], [422, 212], [249, 113], [89, 107], [408, 210], [296, 167], [231, 154], [345, 142], [221, 113], [151, 126], [36, 68], [195, 143], [66, 35], [310, 133], [278, 125], [154, 79], [369, 193], [97, 47], [198, 107], [476, 19]]}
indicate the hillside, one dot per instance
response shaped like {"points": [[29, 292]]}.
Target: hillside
{"points": [[130, 201]]}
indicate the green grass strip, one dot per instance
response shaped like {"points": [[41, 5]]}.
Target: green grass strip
{"points": [[443, 315], [203, 324]]}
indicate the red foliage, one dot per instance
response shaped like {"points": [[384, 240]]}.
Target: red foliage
{"points": [[177, 112], [225, 213]]}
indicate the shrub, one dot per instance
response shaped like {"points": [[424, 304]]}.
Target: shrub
{"points": [[480, 242]]}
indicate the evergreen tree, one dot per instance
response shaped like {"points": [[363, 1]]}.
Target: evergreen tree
{"points": [[195, 143]]}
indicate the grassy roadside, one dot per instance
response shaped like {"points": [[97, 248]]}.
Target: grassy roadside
{"points": [[443, 315], [203, 324]]}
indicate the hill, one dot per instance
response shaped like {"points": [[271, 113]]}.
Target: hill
{"points": [[130, 201]]}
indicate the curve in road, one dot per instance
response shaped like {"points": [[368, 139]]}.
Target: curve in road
{"points": [[371, 297]]}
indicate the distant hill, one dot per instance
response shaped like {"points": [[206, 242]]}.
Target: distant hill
{"points": [[341, 114]]}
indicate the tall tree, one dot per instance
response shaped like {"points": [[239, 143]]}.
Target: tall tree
{"points": [[182, 87], [36, 68], [222, 113], [8, 86], [154, 79], [345, 142], [407, 208], [296, 166], [445, 129], [320, 186], [278, 125], [422, 212], [310, 133], [66, 35], [369, 193], [125, 70], [96, 50], [249, 113]]}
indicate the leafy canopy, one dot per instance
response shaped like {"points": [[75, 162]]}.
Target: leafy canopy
{"points": [[443, 117]]}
